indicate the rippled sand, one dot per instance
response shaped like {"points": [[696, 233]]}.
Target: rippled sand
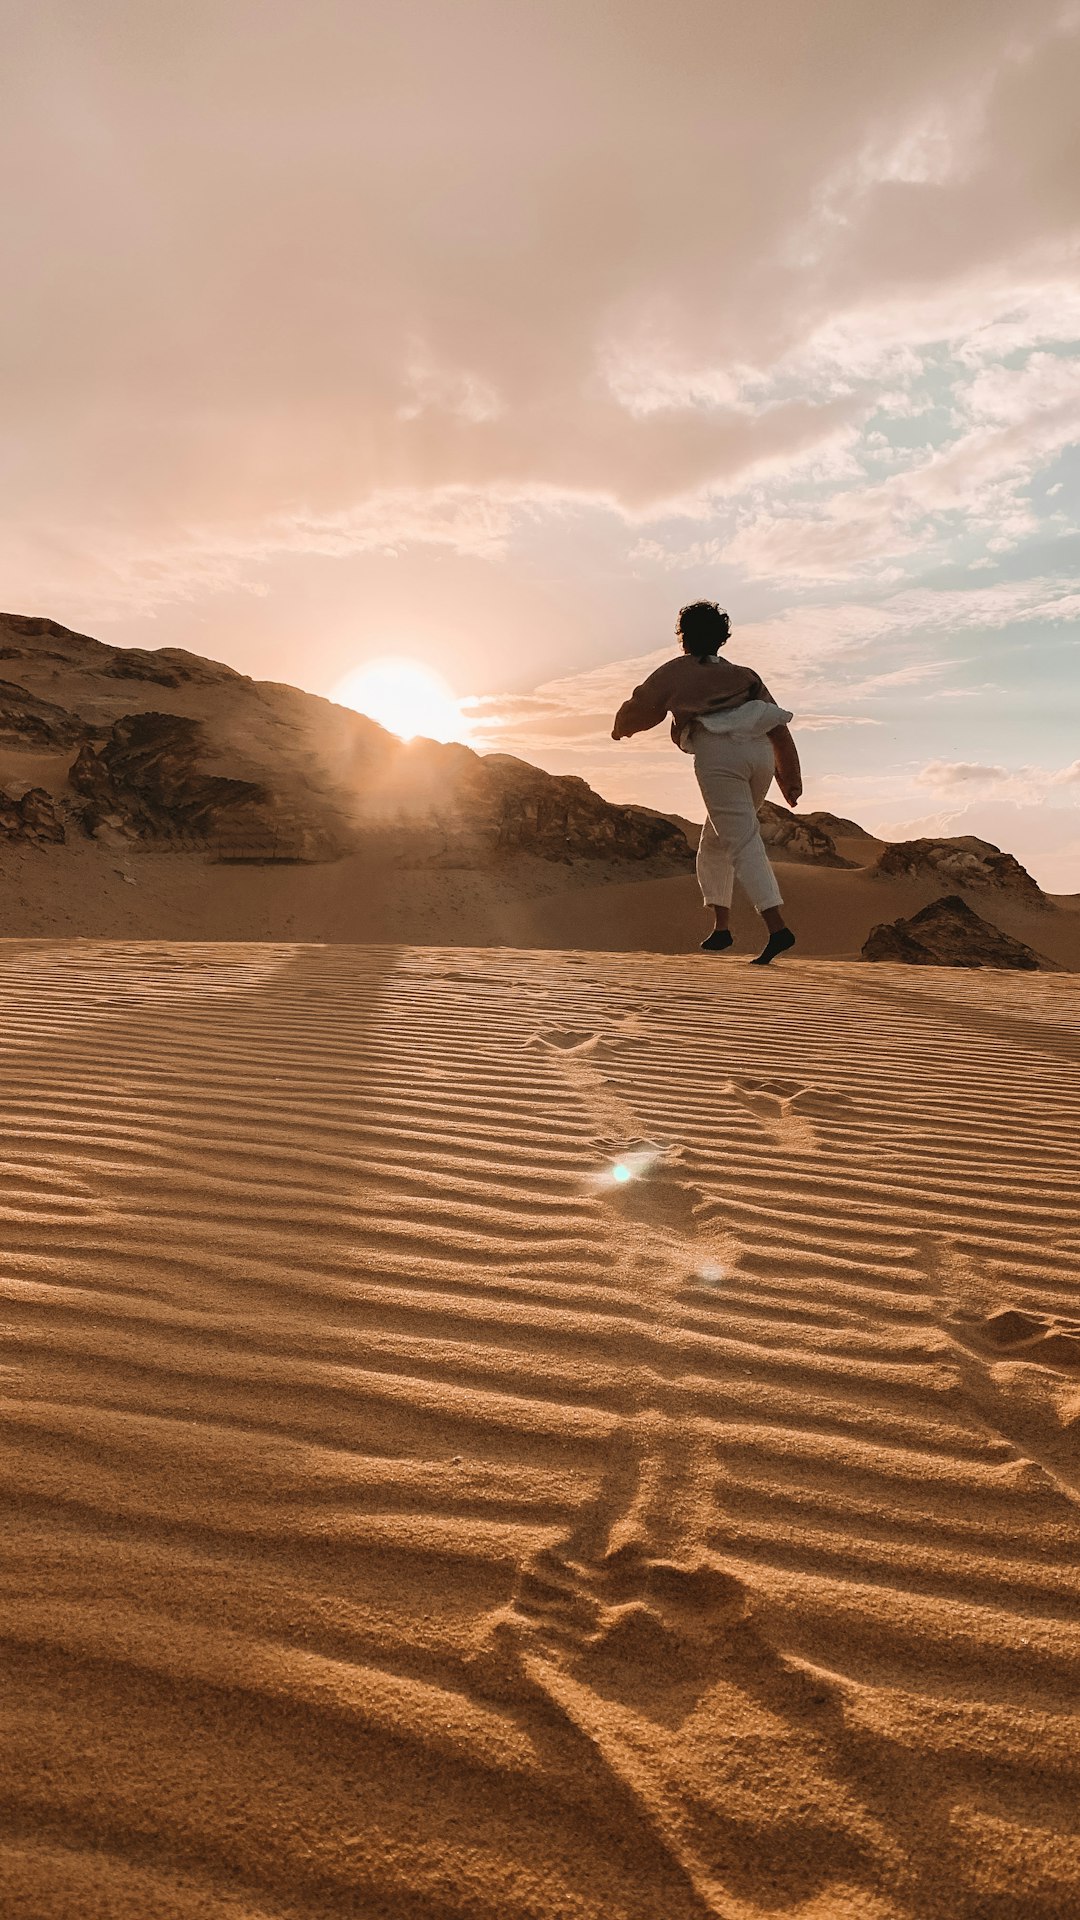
{"points": [[504, 1434]]}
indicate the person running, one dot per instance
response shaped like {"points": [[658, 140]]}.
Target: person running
{"points": [[727, 718]]}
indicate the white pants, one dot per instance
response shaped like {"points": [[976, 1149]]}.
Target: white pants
{"points": [[734, 772]]}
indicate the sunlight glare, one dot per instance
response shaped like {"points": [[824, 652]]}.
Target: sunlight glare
{"points": [[406, 697]]}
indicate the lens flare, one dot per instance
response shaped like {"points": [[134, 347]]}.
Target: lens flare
{"points": [[621, 1173]]}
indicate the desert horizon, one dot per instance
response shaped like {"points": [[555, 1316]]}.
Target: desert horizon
{"points": [[254, 811]]}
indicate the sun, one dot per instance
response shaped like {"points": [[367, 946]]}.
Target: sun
{"points": [[404, 696]]}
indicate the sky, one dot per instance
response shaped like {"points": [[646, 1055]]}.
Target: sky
{"points": [[486, 333]]}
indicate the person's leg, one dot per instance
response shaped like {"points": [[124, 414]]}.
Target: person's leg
{"points": [[716, 878], [752, 865], [745, 844], [734, 776]]}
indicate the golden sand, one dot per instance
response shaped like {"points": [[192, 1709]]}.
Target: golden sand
{"points": [[528, 1434]]}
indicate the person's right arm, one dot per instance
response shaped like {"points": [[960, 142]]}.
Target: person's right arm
{"points": [[645, 708], [788, 770], [785, 755]]}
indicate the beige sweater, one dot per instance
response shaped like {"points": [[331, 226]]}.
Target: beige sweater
{"points": [[686, 688]]}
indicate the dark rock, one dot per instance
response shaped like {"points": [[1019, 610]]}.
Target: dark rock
{"points": [[33, 626], [167, 667], [28, 721], [515, 807], [966, 862], [147, 780], [793, 836], [948, 933], [836, 826], [32, 817], [192, 668], [690, 829], [132, 663]]}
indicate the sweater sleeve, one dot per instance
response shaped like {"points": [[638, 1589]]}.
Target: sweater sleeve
{"points": [[646, 707]]}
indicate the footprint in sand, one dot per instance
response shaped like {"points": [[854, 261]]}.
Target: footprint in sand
{"points": [[772, 1099], [1046, 1339], [776, 1098], [629, 1607], [778, 1106], [569, 1039], [641, 1180], [583, 1039]]}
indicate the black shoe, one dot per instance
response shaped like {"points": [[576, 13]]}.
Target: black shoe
{"points": [[776, 943], [717, 942]]}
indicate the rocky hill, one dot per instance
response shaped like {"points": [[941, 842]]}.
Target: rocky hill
{"points": [[167, 748], [160, 795], [965, 862], [798, 836]]}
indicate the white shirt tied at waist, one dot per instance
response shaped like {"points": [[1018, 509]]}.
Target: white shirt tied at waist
{"points": [[751, 720]]}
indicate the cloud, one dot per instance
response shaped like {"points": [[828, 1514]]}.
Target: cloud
{"points": [[800, 652], [509, 328], [325, 267], [960, 773], [821, 722]]}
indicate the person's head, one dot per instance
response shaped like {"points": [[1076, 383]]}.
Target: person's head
{"points": [[703, 628]]}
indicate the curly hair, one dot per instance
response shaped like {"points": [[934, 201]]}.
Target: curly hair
{"points": [[703, 628]]}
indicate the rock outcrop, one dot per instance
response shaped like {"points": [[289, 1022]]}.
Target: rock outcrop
{"points": [[167, 667], [252, 771], [32, 817], [948, 933], [147, 781], [29, 636], [513, 807], [26, 720], [793, 836], [965, 862], [836, 826]]}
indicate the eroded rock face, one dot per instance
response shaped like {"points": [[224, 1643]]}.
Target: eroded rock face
{"points": [[792, 836], [28, 721], [32, 818], [948, 933], [19, 628], [516, 807], [131, 663], [836, 826], [166, 667], [966, 862], [147, 780]]}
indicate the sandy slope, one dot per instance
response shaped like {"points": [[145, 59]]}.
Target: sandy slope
{"points": [[84, 889], [408, 1519]]}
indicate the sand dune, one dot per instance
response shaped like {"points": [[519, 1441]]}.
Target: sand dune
{"points": [[595, 905], [510, 1434]]}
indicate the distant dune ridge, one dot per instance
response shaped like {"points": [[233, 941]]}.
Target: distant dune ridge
{"points": [[159, 794]]}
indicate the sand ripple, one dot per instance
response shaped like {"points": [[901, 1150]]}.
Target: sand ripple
{"points": [[496, 1435]]}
